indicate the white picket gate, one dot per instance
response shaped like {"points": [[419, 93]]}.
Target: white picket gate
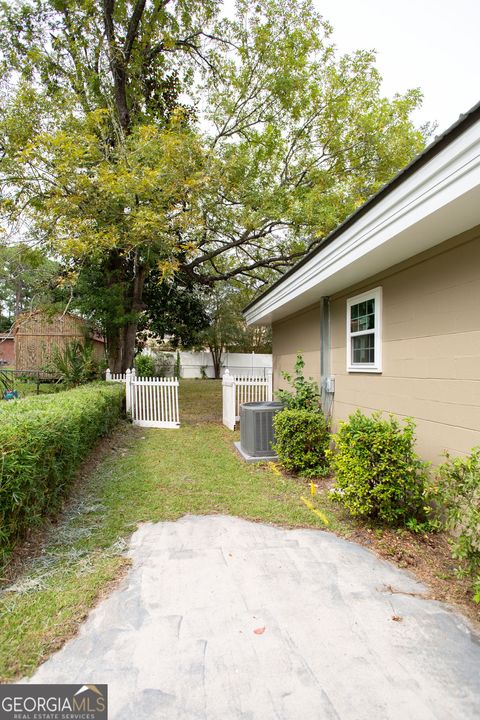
{"points": [[239, 390], [151, 402]]}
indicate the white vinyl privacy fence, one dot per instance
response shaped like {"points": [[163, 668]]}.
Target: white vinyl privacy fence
{"points": [[151, 402], [238, 390], [200, 364]]}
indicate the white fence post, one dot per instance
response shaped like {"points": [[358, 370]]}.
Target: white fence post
{"points": [[269, 375], [229, 400], [133, 400], [128, 382], [108, 375], [128, 390]]}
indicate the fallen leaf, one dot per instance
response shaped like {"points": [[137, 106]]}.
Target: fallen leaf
{"points": [[397, 618], [259, 631]]}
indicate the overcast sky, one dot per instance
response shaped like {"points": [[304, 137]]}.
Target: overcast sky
{"points": [[431, 44]]}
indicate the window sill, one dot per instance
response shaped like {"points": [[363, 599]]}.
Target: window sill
{"points": [[374, 370]]}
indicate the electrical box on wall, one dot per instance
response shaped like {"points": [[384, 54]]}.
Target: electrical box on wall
{"points": [[330, 384]]}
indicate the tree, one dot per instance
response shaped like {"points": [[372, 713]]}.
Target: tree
{"points": [[176, 309], [227, 330], [27, 279], [279, 140]]}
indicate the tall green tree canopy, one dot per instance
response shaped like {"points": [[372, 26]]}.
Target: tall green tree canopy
{"points": [[162, 137], [28, 278]]}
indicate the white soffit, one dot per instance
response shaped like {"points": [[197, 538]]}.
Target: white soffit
{"points": [[438, 201]]}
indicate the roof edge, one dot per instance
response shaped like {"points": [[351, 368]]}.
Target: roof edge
{"points": [[465, 121]]}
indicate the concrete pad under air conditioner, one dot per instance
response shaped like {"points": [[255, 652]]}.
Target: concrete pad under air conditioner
{"points": [[253, 458]]}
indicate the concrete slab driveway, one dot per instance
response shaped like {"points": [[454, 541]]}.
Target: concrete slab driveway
{"points": [[224, 619]]}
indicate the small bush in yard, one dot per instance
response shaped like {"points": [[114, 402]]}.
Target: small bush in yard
{"points": [[301, 441], [458, 493], [378, 474], [304, 394], [145, 366], [43, 440]]}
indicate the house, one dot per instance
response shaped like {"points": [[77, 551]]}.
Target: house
{"points": [[37, 333], [386, 310], [7, 349]]}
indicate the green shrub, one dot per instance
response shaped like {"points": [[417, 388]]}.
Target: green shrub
{"points": [[145, 366], [75, 363], [378, 474], [178, 366], [301, 441], [304, 395], [43, 440], [459, 495]]}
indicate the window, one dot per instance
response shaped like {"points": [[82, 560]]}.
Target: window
{"points": [[364, 332]]}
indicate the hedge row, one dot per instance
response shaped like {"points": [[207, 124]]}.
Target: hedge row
{"points": [[42, 443]]}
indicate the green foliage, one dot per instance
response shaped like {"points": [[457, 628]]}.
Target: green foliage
{"points": [[458, 493], [227, 330], [305, 395], [174, 307], [178, 366], [103, 154], [301, 441], [75, 364], [378, 474], [27, 280], [145, 366], [43, 441]]}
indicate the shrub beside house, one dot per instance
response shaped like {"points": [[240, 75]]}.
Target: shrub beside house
{"points": [[385, 313], [385, 309]]}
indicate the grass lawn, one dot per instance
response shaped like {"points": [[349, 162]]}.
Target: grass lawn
{"points": [[200, 401], [26, 385], [153, 475], [30, 388]]}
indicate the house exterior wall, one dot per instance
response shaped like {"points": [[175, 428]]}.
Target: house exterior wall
{"points": [[297, 334], [430, 344], [7, 350]]}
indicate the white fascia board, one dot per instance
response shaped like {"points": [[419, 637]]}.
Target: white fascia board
{"points": [[440, 200]]}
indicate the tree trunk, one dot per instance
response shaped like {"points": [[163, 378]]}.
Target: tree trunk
{"points": [[216, 353], [121, 335], [121, 347]]}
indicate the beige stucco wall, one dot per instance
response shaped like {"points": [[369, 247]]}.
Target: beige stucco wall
{"points": [[298, 334], [431, 347]]}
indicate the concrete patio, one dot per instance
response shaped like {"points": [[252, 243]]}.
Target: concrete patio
{"points": [[221, 618]]}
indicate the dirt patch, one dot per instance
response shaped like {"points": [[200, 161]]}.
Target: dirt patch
{"points": [[427, 556], [429, 559]]}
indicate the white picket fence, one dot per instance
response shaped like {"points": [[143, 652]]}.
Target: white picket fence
{"points": [[239, 390], [115, 377], [151, 402]]}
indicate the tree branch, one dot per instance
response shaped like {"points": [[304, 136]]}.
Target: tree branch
{"points": [[133, 29]]}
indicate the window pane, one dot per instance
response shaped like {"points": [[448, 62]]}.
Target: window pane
{"points": [[362, 316], [363, 349]]}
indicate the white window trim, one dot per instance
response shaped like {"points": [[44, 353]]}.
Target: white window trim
{"points": [[375, 367]]}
